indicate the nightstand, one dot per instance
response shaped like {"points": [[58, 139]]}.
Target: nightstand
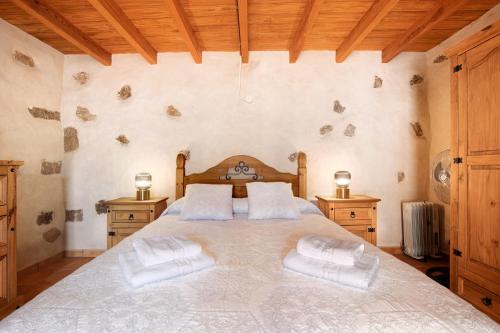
{"points": [[127, 215], [358, 214]]}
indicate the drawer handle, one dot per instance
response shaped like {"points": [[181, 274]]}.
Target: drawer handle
{"points": [[486, 301], [131, 217], [353, 215]]}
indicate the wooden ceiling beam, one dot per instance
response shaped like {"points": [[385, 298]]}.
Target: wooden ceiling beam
{"points": [[122, 24], [57, 23], [305, 26], [439, 13], [243, 28], [372, 17], [185, 29]]}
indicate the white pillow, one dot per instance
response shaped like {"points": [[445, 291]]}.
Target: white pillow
{"points": [[175, 208], [307, 207], [240, 206], [271, 201], [208, 202]]}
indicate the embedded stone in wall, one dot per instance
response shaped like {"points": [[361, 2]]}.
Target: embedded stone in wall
{"points": [[401, 176], [377, 83], [45, 218], [173, 112], [350, 130], [325, 129], [337, 107], [75, 215], [100, 207], [439, 59], [417, 129], [416, 79], [292, 157], [70, 139], [50, 168], [125, 92], [52, 235], [81, 77], [186, 153], [84, 114], [122, 139], [44, 113], [23, 59]]}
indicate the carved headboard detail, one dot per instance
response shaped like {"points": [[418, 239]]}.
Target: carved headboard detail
{"points": [[239, 170]]}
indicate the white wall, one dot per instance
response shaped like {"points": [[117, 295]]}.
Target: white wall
{"points": [[290, 103], [23, 137], [438, 84]]}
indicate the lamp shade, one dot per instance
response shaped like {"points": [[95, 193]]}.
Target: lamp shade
{"points": [[143, 181], [342, 178]]}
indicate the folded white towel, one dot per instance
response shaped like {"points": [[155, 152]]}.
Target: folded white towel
{"points": [[360, 275], [334, 250], [138, 275], [159, 249]]}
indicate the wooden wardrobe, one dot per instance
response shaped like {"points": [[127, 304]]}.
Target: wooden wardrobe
{"points": [[475, 204], [8, 267]]}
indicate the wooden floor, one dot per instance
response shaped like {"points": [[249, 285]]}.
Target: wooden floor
{"points": [[30, 284], [33, 282], [424, 265]]}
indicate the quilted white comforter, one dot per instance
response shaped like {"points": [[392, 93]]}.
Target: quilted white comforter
{"points": [[247, 291]]}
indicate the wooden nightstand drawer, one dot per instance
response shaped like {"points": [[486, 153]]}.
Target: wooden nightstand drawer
{"points": [[131, 216], [358, 214], [353, 214], [480, 297], [353, 222], [136, 225], [127, 215]]}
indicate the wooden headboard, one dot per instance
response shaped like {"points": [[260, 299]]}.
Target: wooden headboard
{"points": [[239, 170]]}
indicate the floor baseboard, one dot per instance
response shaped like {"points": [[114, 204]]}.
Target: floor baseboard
{"points": [[36, 267], [391, 249], [83, 253]]}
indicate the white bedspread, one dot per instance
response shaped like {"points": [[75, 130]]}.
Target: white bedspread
{"points": [[247, 291]]}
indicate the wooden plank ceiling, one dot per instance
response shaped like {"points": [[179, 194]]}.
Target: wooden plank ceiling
{"points": [[103, 27]]}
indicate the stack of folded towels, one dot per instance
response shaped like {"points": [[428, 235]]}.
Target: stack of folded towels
{"points": [[331, 259], [162, 257]]}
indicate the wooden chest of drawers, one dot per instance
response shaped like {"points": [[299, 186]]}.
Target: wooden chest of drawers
{"points": [[358, 214], [127, 215], [8, 224]]}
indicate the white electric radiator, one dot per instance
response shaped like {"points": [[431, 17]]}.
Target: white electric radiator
{"points": [[421, 225]]}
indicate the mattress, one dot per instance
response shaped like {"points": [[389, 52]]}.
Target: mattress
{"points": [[247, 291]]}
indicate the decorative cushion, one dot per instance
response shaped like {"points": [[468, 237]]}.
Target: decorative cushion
{"points": [[271, 201], [208, 202], [240, 205]]}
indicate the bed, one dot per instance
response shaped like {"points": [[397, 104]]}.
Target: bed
{"points": [[247, 290]]}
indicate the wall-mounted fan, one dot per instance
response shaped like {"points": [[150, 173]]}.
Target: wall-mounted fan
{"points": [[441, 174]]}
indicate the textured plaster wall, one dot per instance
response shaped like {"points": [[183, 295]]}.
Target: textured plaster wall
{"points": [[23, 137], [278, 111], [438, 85]]}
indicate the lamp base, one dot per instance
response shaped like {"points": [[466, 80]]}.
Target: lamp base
{"points": [[342, 193], [143, 195]]}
